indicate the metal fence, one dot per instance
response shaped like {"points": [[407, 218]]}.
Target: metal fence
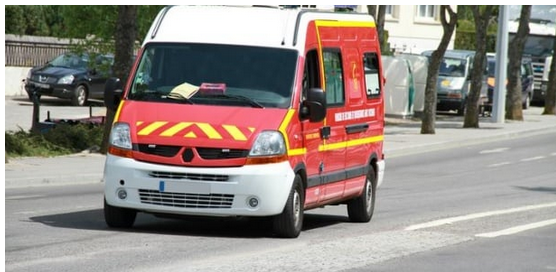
{"points": [[29, 51]]}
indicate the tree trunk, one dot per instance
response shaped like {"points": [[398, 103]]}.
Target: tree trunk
{"points": [[372, 10], [514, 108], [429, 111], [550, 98], [471, 119], [379, 13], [380, 27], [125, 36]]}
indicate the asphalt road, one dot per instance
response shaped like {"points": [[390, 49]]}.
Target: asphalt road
{"points": [[478, 192]]}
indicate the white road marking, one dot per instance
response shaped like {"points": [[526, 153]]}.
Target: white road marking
{"points": [[499, 164], [72, 209], [23, 197], [533, 159], [517, 229], [497, 150], [451, 220], [553, 154]]}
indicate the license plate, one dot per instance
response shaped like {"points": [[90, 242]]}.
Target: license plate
{"points": [[42, 85], [192, 188]]}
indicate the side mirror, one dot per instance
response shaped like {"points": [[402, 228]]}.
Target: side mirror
{"points": [[113, 92], [314, 107]]}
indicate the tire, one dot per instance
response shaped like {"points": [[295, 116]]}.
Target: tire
{"points": [[361, 208], [79, 96], [118, 217], [288, 224]]}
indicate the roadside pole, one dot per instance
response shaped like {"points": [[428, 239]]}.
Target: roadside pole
{"points": [[499, 96]]}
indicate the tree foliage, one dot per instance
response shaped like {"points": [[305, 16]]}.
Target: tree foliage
{"points": [[75, 22], [466, 33]]}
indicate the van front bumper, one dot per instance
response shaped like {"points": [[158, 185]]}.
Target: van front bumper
{"points": [[251, 190], [446, 104]]}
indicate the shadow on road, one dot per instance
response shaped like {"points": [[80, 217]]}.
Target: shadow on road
{"points": [[538, 189], [240, 227]]}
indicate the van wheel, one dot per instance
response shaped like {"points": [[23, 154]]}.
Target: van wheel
{"points": [[118, 217], [79, 96], [288, 224], [361, 208]]}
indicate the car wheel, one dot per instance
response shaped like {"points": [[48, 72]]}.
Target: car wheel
{"points": [[288, 224], [79, 96], [116, 217], [361, 208]]}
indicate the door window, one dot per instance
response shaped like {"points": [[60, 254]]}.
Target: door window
{"points": [[333, 77], [372, 77]]}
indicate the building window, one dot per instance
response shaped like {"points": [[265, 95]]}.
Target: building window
{"points": [[427, 12], [391, 13]]}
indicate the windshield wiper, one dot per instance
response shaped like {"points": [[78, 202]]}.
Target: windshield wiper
{"points": [[248, 100]]}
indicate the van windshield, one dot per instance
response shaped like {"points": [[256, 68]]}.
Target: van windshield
{"points": [[452, 67], [213, 74]]}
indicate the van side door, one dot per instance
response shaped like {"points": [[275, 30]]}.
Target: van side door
{"points": [[333, 131]]}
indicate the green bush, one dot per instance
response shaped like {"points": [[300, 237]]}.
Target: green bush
{"points": [[63, 139]]}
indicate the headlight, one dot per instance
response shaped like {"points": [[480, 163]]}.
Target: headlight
{"points": [[268, 143], [120, 136], [66, 80]]}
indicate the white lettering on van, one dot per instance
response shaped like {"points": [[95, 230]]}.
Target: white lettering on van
{"points": [[352, 115]]}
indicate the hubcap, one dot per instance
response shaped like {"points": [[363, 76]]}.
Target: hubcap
{"points": [[369, 195], [81, 96], [296, 207]]}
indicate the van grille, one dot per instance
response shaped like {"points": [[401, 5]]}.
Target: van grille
{"points": [[181, 200], [219, 153], [159, 150], [190, 176]]}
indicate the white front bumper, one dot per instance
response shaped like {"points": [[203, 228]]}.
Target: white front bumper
{"points": [[190, 191]]}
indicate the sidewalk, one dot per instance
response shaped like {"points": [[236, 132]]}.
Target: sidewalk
{"points": [[402, 137]]}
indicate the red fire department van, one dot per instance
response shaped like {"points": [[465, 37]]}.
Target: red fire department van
{"points": [[248, 111]]}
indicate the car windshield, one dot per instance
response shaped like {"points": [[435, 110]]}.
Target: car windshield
{"points": [[452, 67], [525, 68], [215, 74], [70, 61]]}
